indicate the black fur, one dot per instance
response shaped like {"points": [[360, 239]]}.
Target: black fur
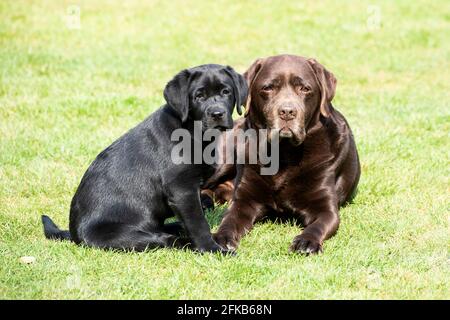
{"points": [[133, 186]]}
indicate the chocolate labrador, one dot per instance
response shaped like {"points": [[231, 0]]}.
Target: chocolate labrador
{"points": [[133, 186], [319, 169]]}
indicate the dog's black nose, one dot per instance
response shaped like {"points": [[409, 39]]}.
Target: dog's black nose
{"points": [[217, 115], [287, 113]]}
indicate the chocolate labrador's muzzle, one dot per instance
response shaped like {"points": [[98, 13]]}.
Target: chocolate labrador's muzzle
{"points": [[288, 122]]}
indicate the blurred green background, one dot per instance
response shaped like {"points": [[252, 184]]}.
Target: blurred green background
{"points": [[76, 75]]}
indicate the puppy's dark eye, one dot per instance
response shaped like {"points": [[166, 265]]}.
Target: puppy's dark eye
{"points": [[225, 92], [199, 96]]}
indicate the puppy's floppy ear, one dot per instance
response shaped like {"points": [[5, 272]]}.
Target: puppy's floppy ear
{"points": [[177, 95], [327, 83], [250, 76], [239, 87]]}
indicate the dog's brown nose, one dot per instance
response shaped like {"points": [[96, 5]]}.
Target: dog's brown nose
{"points": [[287, 113]]}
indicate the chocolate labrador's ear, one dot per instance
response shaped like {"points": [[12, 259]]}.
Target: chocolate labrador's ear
{"points": [[239, 87], [250, 76], [177, 95], [327, 83]]}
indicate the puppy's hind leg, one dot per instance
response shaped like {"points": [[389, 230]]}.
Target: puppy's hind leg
{"points": [[129, 238], [176, 228]]}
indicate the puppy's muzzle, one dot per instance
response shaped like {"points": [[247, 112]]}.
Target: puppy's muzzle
{"points": [[218, 117]]}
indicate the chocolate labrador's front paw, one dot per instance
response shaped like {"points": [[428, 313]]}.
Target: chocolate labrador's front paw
{"points": [[305, 244], [226, 240]]}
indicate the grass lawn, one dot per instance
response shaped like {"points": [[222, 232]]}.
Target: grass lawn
{"points": [[67, 93]]}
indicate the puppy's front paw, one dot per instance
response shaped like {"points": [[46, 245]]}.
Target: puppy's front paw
{"points": [[225, 240], [305, 244], [207, 201], [213, 248]]}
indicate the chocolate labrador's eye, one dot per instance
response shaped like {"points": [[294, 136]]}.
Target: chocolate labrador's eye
{"points": [[267, 88], [305, 89], [225, 92]]}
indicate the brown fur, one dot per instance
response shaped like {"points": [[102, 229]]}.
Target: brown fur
{"points": [[319, 165]]}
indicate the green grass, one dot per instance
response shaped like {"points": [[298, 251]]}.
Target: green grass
{"points": [[67, 94]]}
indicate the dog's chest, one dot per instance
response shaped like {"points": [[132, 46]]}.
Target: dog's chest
{"points": [[285, 187], [291, 186], [283, 179]]}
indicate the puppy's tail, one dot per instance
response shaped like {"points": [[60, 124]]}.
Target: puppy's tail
{"points": [[52, 231]]}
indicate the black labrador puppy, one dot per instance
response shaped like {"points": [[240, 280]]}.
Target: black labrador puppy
{"points": [[133, 186]]}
